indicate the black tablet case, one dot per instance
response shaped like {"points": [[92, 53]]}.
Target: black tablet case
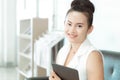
{"points": [[65, 73]]}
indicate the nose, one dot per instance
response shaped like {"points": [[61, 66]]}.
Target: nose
{"points": [[72, 29]]}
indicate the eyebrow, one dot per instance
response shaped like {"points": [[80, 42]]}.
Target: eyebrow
{"points": [[76, 23]]}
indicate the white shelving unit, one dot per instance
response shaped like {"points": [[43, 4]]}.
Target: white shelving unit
{"points": [[29, 31], [46, 49]]}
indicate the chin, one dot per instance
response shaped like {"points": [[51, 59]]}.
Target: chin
{"points": [[71, 40]]}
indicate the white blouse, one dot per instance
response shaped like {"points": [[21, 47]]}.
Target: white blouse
{"points": [[80, 58]]}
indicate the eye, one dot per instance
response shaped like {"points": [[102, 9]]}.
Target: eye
{"points": [[69, 24], [79, 26]]}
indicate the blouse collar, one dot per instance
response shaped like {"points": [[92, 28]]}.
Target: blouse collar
{"points": [[83, 47], [80, 52]]}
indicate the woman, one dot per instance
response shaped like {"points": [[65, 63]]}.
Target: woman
{"points": [[80, 54]]}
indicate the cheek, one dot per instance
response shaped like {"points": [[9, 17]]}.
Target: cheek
{"points": [[65, 29], [82, 33]]}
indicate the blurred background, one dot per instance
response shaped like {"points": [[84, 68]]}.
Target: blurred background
{"points": [[104, 36]]}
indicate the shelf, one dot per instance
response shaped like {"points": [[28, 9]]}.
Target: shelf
{"points": [[25, 36], [27, 75], [29, 31], [28, 56], [25, 68]]}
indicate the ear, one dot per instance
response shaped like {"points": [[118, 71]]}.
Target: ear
{"points": [[90, 29]]}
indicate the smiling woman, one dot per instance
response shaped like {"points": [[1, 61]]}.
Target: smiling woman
{"points": [[104, 36], [78, 25]]}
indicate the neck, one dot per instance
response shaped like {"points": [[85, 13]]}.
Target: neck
{"points": [[74, 47]]}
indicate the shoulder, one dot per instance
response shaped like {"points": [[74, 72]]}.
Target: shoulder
{"points": [[95, 64], [95, 57]]}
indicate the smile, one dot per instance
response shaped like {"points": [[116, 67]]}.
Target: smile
{"points": [[72, 35]]}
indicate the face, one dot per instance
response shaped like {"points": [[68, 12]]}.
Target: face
{"points": [[76, 27]]}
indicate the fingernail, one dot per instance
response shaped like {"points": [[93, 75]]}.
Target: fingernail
{"points": [[52, 76]]}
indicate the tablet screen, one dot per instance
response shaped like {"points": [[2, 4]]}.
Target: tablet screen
{"points": [[65, 73]]}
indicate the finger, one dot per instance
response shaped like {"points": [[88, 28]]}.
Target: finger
{"points": [[55, 76], [51, 78]]}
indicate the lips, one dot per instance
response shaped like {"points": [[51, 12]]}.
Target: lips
{"points": [[71, 35]]}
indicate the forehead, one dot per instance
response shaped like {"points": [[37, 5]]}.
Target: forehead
{"points": [[75, 16]]}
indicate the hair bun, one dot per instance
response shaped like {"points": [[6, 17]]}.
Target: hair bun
{"points": [[80, 0], [83, 3]]}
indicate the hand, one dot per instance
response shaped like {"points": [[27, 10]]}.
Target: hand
{"points": [[54, 76]]}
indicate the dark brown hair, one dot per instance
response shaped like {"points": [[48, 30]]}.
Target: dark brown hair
{"points": [[84, 6]]}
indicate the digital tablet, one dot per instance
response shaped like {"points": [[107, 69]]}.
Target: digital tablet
{"points": [[65, 73]]}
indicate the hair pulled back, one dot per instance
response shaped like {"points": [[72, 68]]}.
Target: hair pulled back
{"points": [[84, 6]]}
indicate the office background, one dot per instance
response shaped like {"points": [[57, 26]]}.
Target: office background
{"points": [[104, 36]]}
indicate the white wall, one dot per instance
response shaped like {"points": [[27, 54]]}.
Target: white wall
{"points": [[61, 8], [11, 29], [1, 31], [106, 24], [45, 9], [8, 34]]}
